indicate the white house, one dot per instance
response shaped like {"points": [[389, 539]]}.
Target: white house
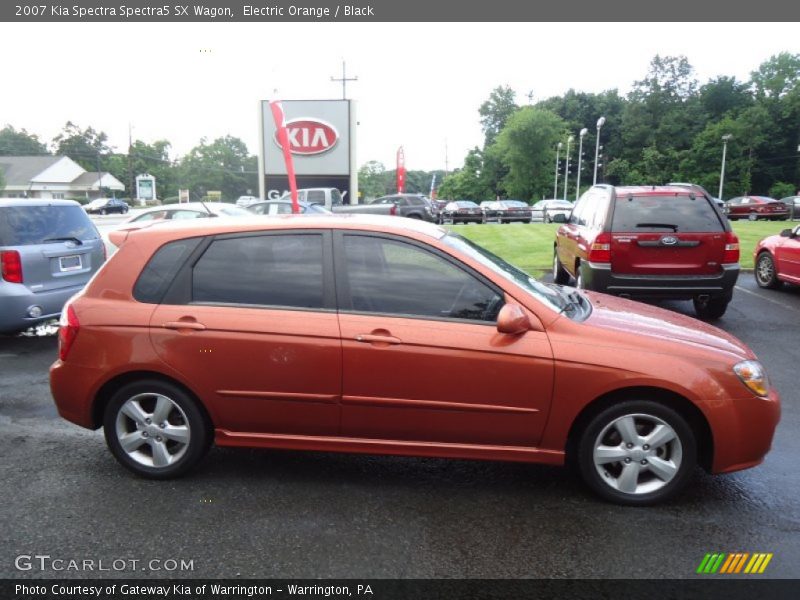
{"points": [[53, 177]]}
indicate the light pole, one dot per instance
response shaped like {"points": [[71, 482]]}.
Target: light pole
{"points": [[566, 169], [555, 181], [600, 122], [725, 139], [583, 132]]}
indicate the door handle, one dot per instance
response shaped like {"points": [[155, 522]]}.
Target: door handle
{"points": [[368, 338], [184, 325]]}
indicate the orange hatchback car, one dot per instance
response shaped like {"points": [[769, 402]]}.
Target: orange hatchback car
{"points": [[312, 334]]}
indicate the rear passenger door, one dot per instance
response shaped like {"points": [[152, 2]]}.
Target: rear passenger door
{"points": [[250, 324]]}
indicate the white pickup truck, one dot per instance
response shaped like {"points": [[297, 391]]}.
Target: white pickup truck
{"points": [[331, 198]]}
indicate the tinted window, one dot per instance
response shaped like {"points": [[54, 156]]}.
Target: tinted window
{"points": [[416, 201], [25, 225], [316, 196], [386, 276], [664, 213], [336, 197], [271, 270], [161, 269]]}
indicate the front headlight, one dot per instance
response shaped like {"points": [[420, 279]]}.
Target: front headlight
{"points": [[753, 376]]}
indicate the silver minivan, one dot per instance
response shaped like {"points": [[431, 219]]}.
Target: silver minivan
{"points": [[49, 249]]}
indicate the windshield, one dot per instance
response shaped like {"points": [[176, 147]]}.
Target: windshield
{"points": [[234, 211], [550, 295]]}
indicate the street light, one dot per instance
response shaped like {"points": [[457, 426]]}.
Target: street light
{"points": [[555, 181], [566, 170], [600, 122], [725, 139], [583, 132]]}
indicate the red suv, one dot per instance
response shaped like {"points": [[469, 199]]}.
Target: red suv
{"points": [[661, 242]]}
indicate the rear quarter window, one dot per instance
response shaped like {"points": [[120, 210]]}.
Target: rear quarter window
{"points": [[161, 270], [680, 213]]}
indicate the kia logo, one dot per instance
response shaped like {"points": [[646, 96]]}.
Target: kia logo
{"points": [[309, 136], [669, 240]]}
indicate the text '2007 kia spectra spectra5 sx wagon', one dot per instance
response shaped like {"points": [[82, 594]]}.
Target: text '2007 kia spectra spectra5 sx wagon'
{"points": [[307, 333]]}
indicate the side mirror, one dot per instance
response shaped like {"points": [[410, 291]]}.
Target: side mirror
{"points": [[787, 233], [512, 320]]}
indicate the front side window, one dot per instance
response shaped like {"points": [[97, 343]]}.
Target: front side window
{"points": [[392, 277], [265, 270]]}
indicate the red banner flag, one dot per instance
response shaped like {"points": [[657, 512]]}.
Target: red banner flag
{"points": [[283, 138], [401, 171]]}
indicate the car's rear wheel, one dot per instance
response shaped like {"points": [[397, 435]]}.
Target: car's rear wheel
{"points": [[103, 211], [637, 452], [753, 217], [560, 275], [155, 429], [710, 309], [765, 273]]}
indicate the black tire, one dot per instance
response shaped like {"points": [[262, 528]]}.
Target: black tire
{"points": [[102, 212], [182, 417], [753, 217], [560, 274], [712, 308], [528, 221], [602, 439], [765, 273]]}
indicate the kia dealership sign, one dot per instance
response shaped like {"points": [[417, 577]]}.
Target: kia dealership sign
{"points": [[321, 136], [309, 136]]}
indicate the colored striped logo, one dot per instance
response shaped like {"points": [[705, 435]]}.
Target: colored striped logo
{"points": [[734, 563]]}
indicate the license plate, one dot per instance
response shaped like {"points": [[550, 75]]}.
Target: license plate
{"points": [[70, 263]]}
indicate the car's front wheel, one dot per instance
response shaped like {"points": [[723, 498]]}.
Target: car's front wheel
{"points": [[637, 452], [765, 273], [753, 217], [155, 429]]}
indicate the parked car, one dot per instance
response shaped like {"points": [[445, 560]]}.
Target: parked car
{"points": [[777, 259], [413, 206], [515, 210], [650, 242], [106, 206], [245, 201], [284, 207], [301, 334], [756, 207], [462, 211], [546, 210], [331, 198], [492, 210], [189, 210], [49, 249], [793, 204], [718, 201]]}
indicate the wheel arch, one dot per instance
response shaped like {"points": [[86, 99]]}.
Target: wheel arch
{"points": [[683, 406], [109, 388]]}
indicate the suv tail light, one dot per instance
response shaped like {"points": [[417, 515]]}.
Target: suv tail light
{"points": [[393, 210], [731, 249], [11, 266], [67, 331], [600, 252]]}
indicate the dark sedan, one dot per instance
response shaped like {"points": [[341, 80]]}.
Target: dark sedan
{"points": [[106, 206], [516, 210], [462, 211], [756, 207]]}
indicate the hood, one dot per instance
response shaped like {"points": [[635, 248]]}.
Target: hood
{"points": [[640, 319]]}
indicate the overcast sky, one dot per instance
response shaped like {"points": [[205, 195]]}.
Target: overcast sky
{"points": [[419, 85]]}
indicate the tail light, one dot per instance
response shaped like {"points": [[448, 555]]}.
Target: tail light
{"points": [[600, 252], [393, 210], [67, 331], [731, 249], [11, 266]]}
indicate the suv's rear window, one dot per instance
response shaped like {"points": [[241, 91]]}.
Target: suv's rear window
{"points": [[27, 225], [679, 213]]}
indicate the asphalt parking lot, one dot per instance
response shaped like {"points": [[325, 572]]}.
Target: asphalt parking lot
{"points": [[248, 513]]}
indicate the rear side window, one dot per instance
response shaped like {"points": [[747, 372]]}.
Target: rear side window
{"points": [[680, 213], [28, 225], [264, 270], [161, 270]]}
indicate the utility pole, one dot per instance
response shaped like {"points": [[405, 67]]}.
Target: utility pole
{"points": [[446, 163], [344, 79], [131, 181], [530, 97]]}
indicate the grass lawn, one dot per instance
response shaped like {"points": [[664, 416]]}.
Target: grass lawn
{"points": [[530, 247]]}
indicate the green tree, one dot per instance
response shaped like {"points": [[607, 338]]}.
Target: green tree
{"points": [[20, 143], [467, 183], [373, 180], [86, 147], [527, 146], [223, 165], [496, 111]]}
